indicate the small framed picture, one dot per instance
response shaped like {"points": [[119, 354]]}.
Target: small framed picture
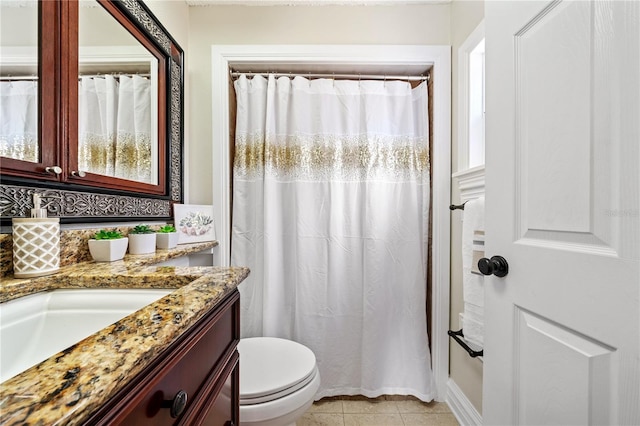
{"points": [[194, 223]]}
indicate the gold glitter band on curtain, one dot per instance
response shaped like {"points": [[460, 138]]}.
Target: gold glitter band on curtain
{"points": [[133, 157], [96, 154], [20, 147], [128, 158], [320, 157]]}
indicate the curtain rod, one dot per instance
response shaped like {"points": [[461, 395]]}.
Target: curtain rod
{"points": [[236, 74], [128, 74], [19, 78]]}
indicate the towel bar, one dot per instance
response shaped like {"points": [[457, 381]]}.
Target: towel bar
{"points": [[462, 343]]}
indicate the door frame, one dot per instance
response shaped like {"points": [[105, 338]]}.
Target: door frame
{"points": [[439, 57]]}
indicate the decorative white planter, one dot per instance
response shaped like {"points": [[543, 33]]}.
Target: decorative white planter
{"points": [[142, 243], [166, 240], [108, 250]]}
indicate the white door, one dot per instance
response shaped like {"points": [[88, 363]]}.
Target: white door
{"points": [[562, 207]]}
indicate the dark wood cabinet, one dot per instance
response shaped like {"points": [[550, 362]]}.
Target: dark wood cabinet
{"points": [[64, 157], [49, 153], [193, 382]]}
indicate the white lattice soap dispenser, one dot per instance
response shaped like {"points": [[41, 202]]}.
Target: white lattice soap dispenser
{"points": [[36, 243]]}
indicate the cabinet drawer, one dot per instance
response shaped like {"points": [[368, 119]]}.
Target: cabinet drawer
{"points": [[190, 363]]}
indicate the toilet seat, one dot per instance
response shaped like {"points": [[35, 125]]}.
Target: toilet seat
{"points": [[272, 368]]}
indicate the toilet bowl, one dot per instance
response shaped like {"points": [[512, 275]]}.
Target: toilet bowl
{"points": [[278, 380]]}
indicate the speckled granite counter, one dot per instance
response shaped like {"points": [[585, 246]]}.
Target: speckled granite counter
{"points": [[69, 386]]}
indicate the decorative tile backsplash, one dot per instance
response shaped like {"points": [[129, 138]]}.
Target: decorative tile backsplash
{"points": [[16, 201]]}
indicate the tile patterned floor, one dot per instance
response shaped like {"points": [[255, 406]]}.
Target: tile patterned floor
{"points": [[383, 411]]}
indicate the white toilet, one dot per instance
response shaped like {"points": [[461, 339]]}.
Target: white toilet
{"points": [[278, 380]]}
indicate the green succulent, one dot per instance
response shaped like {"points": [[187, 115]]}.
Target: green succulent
{"points": [[167, 229], [141, 229], [107, 235]]}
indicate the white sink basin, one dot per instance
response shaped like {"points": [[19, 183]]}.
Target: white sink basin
{"points": [[35, 327]]}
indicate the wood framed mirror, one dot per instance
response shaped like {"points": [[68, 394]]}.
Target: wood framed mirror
{"points": [[109, 118]]}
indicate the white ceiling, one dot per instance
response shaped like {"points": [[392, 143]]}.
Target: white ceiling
{"points": [[312, 2]]}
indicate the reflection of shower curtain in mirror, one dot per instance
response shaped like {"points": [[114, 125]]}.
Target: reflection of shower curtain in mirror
{"points": [[19, 120], [114, 127]]}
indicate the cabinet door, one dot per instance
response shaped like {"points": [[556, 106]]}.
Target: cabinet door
{"points": [[28, 140], [222, 406]]}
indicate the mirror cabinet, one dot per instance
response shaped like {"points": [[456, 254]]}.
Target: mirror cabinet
{"points": [[92, 98]]}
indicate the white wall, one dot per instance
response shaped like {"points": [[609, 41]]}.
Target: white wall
{"points": [[19, 25], [174, 16], [287, 25], [464, 370]]}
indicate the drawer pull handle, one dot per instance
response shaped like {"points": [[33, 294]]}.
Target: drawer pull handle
{"points": [[177, 405]]}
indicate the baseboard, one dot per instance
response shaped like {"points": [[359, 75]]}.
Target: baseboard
{"points": [[461, 407]]}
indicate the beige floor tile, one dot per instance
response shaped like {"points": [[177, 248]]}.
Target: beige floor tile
{"points": [[447, 419], [326, 406], [370, 407], [429, 419], [321, 419], [372, 420], [417, 406], [420, 419]]}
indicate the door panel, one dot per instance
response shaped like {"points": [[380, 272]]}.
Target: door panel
{"points": [[563, 76], [552, 61], [562, 206], [565, 377]]}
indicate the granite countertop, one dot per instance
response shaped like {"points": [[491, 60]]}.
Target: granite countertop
{"points": [[69, 386]]}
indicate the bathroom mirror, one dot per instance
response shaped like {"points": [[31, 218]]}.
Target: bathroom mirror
{"points": [[19, 80], [118, 122], [92, 54]]}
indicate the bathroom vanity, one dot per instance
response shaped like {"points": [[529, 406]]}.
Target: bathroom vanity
{"points": [[172, 362], [195, 381]]}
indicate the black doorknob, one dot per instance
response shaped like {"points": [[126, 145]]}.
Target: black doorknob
{"points": [[497, 266]]}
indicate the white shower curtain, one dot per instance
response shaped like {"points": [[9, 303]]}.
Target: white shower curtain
{"points": [[114, 127], [330, 212], [19, 120]]}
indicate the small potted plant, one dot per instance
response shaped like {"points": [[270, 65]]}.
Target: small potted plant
{"points": [[107, 246], [142, 240], [166, 237]]}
